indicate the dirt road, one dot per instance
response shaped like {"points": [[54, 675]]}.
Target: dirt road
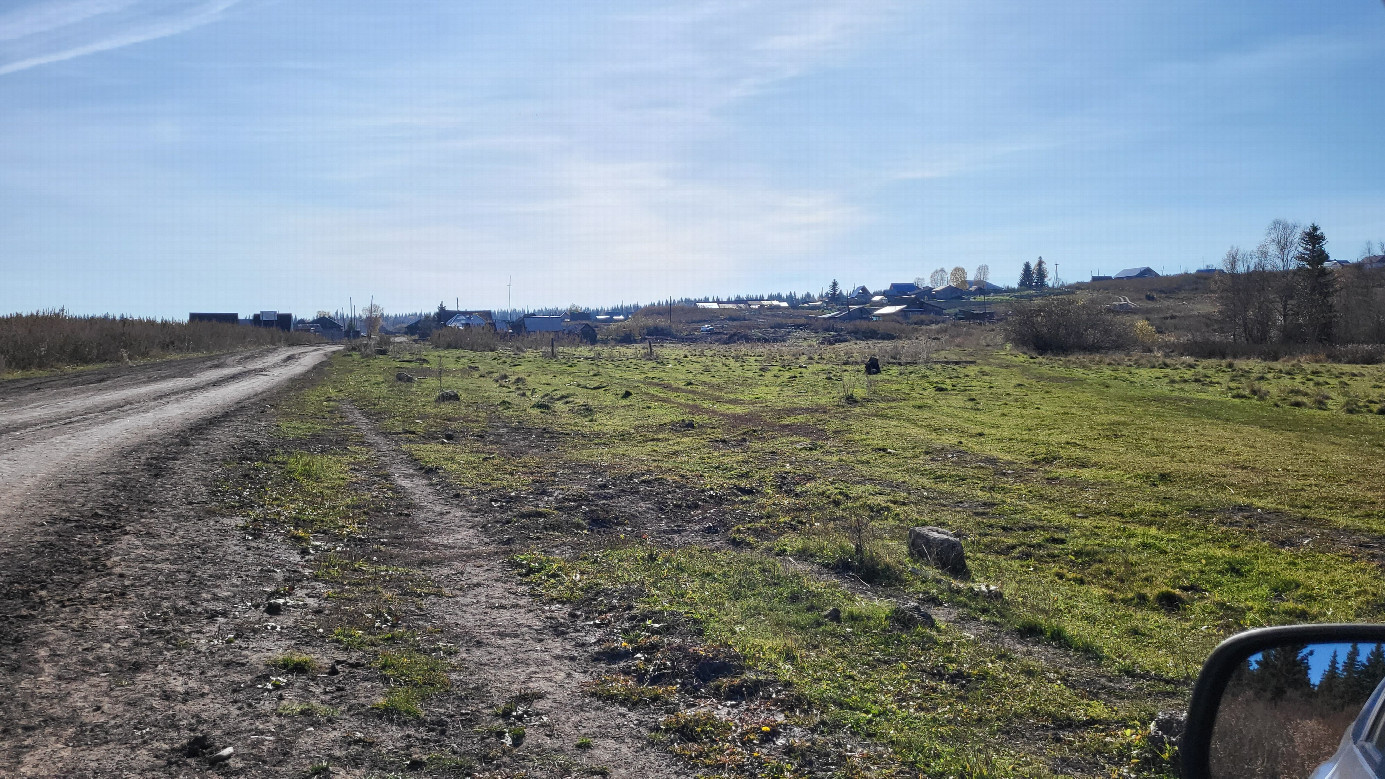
{"points": [[69, 424], [135, 638]]}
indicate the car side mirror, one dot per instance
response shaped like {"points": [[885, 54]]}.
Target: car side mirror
{"points": [[1300, 701]]}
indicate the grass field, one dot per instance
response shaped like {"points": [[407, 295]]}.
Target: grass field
{"points": [[1120, 516]]}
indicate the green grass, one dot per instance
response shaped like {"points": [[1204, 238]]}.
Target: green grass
{"points": [[413, 677], [295, 663], [1131, 510]]}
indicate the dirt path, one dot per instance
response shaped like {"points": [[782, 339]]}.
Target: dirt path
{"points": [[508, 640], [69, 426], [133, 618]]}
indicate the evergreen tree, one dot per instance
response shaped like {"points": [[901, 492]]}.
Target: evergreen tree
{"points": [[1026, 276], [1040, 274], [1282, 671], [834, 292], [1330, 685], [1372, 670], [1317, 284], [1351, 674]]}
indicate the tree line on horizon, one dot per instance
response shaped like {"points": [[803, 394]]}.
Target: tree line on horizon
{"points": [[1285, 673], [1287, 291]]}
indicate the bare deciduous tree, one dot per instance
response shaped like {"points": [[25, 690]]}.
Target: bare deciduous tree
{"points": [[983, 273], [938, 278], [1277, 251], [958, 277], [1280, 244]]}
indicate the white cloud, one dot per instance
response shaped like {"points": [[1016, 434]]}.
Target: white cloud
{"points": [[44, 34], [44, 17]]}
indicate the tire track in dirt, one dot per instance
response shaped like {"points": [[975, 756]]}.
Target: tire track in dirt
{"points": [[507, 640]]}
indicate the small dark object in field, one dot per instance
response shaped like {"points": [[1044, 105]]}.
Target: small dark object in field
{"points": [[222, 756], [382, 352], [872, 366], [274, 608], [417, 762], [940, 548], [1167, 729], [910, 617], [833, 614], [404, 377], [449, 396], [711, 529], [626, 394], [197, 745]]}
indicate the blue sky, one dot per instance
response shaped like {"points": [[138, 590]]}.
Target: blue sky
{"points": [[158, 157]]}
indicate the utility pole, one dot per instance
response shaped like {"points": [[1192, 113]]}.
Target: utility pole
{"points": [[509, 280], [1056, 282]]}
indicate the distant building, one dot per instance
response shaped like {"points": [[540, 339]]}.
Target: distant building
{"points": [[583, 330], [851, 314], [273, 319], [1101, 278], [1373, 262], [901, 289], [225, 319], [1137, 273], [421, 327], [540, 323], [984, 287], [1207, 271], [328, 327], [472, 319], [948, 292], [908, 312]]}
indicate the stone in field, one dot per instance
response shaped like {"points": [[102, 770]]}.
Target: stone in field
{"points": [[940, 548]]}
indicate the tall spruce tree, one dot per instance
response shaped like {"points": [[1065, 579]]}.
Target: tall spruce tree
{"points": [[1282, 671], [1330, 685], [1351, 673], [1026, 276], [1040, 274], [834, 292], [1317, 285], [1372, 670]]}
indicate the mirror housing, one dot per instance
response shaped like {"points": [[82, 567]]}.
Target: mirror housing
{"points": [[1231, 655]]}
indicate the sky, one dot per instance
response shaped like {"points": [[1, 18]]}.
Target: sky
{"points": [[161, 157]]}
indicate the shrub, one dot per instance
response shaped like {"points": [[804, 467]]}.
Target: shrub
{"points": [[1068, 324], [52, 339]]}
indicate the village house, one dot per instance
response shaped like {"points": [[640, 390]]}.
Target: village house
{"points": [[1137, 273]]}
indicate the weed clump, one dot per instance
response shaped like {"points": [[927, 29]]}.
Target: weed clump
{"points": [[294, 663]]}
